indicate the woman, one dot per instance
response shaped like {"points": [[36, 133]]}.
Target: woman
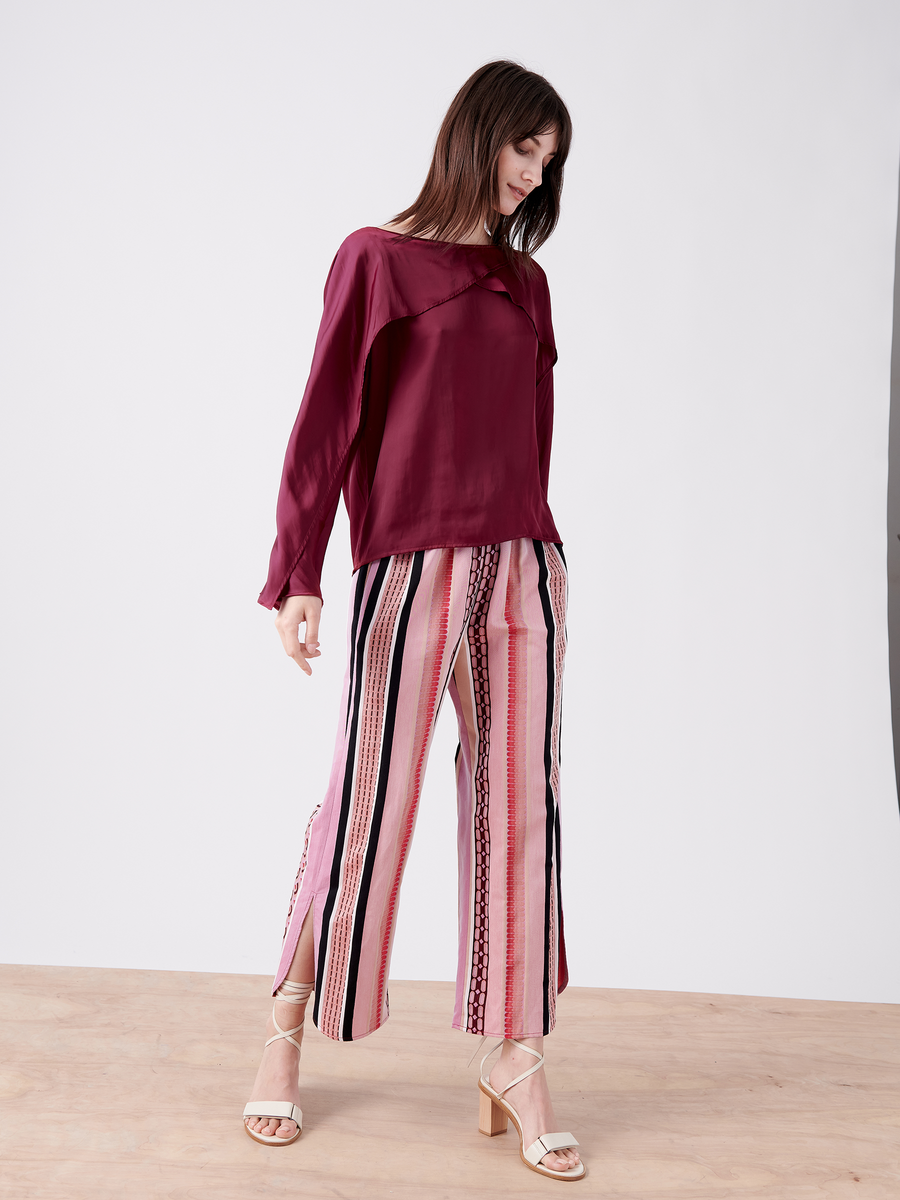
{"points": [[429, 404]]}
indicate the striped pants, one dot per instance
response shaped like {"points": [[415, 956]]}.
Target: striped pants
{"points": [[487, 622]]}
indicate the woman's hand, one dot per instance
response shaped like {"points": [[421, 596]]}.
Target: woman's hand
{"points": [[294, 612]]}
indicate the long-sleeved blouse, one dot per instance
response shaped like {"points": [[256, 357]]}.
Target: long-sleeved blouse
{"points": [[429, 403]]}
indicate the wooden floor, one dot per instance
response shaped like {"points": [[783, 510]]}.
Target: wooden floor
{"points": [[130, 1084]]}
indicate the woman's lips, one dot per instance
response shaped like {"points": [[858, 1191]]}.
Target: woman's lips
{"points": [[517, 192]]}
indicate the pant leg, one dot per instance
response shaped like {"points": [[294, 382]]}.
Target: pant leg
{"points": [[507, 691], [408, 613]]}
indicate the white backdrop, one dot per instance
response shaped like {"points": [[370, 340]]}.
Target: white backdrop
{"points": [[182, 175]]}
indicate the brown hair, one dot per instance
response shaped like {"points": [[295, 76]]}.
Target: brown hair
{"points": [[501, 103]]}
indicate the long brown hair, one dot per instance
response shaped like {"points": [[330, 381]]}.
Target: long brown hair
{"points": [[501, 103]]}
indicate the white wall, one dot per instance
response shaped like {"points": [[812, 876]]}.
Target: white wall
{"points": [[183, 173]]}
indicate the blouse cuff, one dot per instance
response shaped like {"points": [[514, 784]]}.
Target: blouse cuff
{"points": [[301, 583]]}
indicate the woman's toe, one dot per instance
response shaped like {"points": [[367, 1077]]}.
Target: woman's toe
{"points": [[561, 1162]]}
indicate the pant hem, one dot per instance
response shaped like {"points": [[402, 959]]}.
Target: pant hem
{"points": [[487, 1033]]}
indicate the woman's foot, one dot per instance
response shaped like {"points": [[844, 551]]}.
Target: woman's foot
{"points": [[278, 1074], [531, 1100]]}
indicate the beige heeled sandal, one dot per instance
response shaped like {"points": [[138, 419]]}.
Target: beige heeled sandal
{"points": [[283, 1110], [494, 1112]]}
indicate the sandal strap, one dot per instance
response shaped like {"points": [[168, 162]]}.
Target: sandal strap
{"points": [[477, 1048], [290, 993], [294, 993], [282, 1109], [518, 1079], [286, 1034], [546, 1144]]}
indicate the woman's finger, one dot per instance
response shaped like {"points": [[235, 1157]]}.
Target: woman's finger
{"points": [[313, 612], [290, 639]]}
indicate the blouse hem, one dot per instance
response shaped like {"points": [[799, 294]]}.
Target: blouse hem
{"points": [[451, 545]]}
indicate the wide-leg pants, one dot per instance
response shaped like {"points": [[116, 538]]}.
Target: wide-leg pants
{"points": [[487, 622]]}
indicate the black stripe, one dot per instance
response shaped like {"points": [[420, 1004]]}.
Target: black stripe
{"points": [[560, 934], [560, 931], [357, 604], [384, 769], [334, 882], [548, 765]]}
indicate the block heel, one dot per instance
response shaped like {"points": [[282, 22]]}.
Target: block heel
{"points": [[491, 1117]]}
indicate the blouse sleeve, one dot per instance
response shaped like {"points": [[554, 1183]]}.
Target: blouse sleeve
{"points": [[324, 431]]}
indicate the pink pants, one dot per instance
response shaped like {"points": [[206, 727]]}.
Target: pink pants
{"points": [[489, 623]]}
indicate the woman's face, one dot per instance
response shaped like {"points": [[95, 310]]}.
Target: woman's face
{"points": [[520, 168]]}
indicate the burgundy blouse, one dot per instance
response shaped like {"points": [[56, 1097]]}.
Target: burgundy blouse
{"points": [[429, 402]]}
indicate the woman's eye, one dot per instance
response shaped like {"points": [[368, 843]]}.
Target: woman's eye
{"points": [[519, 150]]}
